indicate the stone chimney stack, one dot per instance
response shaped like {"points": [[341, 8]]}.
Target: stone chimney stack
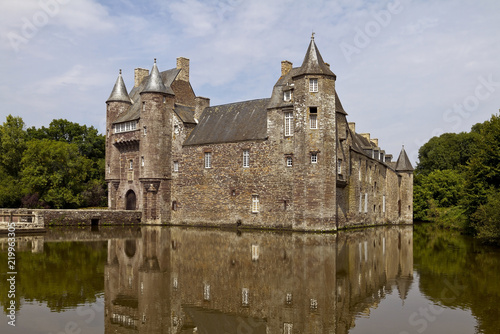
{"points": [[286, 66], [201, 104], [352, 127], [139, 75], [183, 65], [366, 136]]}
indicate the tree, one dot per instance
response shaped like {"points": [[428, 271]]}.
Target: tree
{"points": [[12, 143], [55, 171]]}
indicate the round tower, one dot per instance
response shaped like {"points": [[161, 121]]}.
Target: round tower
{"points": [[157, 104], [116, 105]]}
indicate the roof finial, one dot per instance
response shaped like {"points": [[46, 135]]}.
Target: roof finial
{"points": [[312, 36], [155, 60], [120, 71]]}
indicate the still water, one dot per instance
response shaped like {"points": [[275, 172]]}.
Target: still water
{"points": [[401, 280]]}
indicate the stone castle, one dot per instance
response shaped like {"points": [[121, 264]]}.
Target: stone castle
{"points": [[290, 161]]}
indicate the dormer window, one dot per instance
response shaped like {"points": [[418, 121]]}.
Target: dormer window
{"points": [[313, 85], [287, 95], [125, 126]]}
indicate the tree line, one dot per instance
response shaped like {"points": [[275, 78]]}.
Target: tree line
{"points": [[457, 181], [59, 166]]}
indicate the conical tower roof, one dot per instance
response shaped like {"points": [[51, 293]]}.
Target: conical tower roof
{"points": [[403, 164], [155, 83], [313, 62], [119, 93]]}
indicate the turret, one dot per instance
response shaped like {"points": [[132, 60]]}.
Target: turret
{"points": [[405, 175], [156, 120], [156, 146], [117, 104], [314, 138]]}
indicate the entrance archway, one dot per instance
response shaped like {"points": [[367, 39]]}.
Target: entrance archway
{"points": [[130, 200]]}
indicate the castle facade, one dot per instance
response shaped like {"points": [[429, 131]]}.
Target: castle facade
{"points": [[290, 161]]}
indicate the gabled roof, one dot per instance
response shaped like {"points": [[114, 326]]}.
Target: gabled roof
{"points": [[154, 83], [119, 92], [313, 62], [403, 164], [233, 122]]}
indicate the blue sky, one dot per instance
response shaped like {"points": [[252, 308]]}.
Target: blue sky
{"points": [[406, 70]]}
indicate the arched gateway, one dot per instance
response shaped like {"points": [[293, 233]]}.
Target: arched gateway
{"points": [[130, 200]]}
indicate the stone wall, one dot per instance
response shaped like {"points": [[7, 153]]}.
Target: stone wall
{"points": [[86, 217]]}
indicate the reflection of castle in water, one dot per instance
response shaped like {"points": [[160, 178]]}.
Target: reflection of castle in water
{"points": [[175, 280]]}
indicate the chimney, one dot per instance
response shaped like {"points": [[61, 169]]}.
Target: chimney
{"points": [[201, 104], [365, 135], [183, 65], [352, 127], [286, 66], [374, 141], [139, 75]]}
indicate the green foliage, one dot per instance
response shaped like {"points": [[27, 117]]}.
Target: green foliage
{"points": [[457, 180], [60, 166], [441, 188], [13, 143], [450, 151], [486, 219]]}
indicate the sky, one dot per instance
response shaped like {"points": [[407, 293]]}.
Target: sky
{"points": [[406, 70]]}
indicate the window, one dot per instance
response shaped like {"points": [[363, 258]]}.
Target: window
{"points": [[126, 126], [206, 292], [359, 171], [255, 252], [313, 117], [255, 203], [383, 204], [176, 166], [131, 164], [360, 202], [143, 106], [145, 130], [142, 161], [246, 158], [339, 166], [288, 124], [314, 158], [287, 328], [174, 205], [109, 169], [366, 202], [244, 296], [287, 95], [289, 161], [208, 159], [313, 85]]}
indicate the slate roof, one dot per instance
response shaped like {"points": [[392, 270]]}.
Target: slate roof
{"points": [[313, 62], [185, 113], [154, 83], [233, 122], [403, 164], [119, 92]]}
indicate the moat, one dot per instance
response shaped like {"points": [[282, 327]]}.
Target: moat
{"points": [[401, 279]]}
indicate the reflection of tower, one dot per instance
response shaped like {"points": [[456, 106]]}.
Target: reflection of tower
{"points": [[136, 295], [369, 264]]}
